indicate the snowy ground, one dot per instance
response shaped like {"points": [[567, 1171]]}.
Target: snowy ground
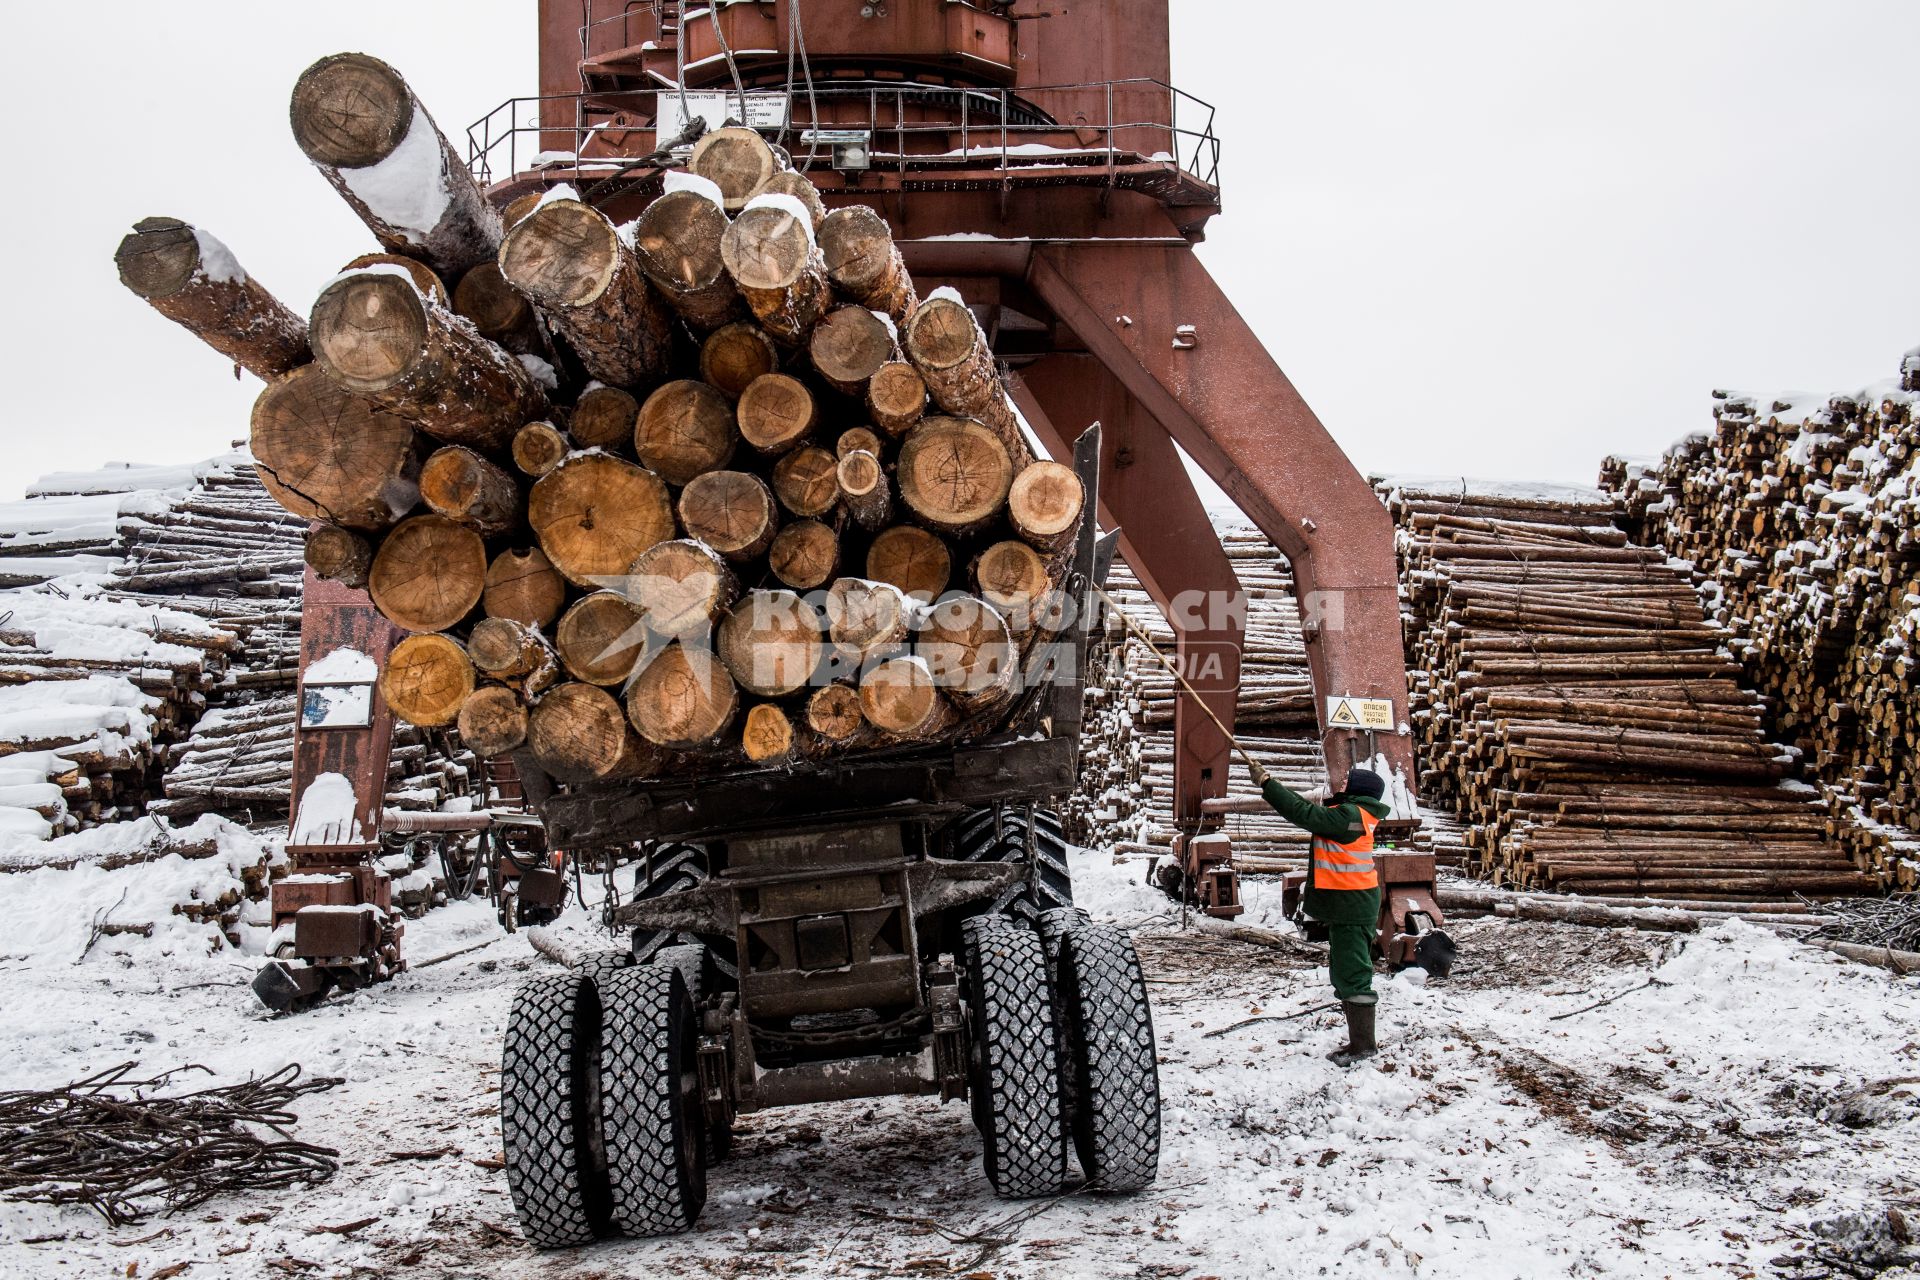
{"points": [[1738, 1091]]}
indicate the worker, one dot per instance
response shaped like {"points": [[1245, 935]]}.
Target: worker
{"points": [[1343, 890]]}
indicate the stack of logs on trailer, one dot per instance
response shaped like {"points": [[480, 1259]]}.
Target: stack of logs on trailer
{"points": [[650, 499], [1573, 701], [1802, 517]]}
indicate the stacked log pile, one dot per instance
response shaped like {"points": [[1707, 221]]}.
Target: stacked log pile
{"points": [[149, 650], [1800, 516], [1574, 703], [1125, 793], [726, 492]]}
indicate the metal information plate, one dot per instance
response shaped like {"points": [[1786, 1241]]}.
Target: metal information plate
{"points": [[1347, 712], [764, 110]]}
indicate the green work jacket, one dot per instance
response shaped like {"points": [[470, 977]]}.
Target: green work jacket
{"points": [[1338, 820]]}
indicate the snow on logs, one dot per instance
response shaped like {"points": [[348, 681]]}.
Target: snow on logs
{"points": [[355, 118], [755, 535], [195, 281]]}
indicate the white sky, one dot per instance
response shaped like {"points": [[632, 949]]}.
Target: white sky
{"points": [[1499, 238]]}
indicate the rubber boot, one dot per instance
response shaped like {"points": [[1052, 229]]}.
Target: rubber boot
{"points": [[1359, 1043]]}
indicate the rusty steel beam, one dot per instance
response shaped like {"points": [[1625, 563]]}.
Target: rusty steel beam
{"points": [[1166, 330], [1168, 539]]}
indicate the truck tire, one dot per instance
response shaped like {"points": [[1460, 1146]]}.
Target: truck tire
{"points": [[598, 964], [1015, 1064], [547, 1065], [694, 960], [978, 838], [676, 868], [650, 1102], [1113, 1076]]}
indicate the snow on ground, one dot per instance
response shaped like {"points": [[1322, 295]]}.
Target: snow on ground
{"points": [[1737, 1090]]}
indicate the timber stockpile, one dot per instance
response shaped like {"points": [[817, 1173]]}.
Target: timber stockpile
{"points": [[149, 652], [1802, 518], [1125, 794], [1575, 704], [724, 492]]}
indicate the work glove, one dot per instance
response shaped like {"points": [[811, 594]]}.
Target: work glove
{"points": [[1260, 775]]}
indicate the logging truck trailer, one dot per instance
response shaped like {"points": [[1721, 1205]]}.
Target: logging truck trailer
{"points": [[893, 923]]}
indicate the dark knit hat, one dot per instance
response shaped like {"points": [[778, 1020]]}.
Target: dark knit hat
{"points": [[1365, 782]]}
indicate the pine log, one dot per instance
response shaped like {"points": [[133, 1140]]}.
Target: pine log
{"points": [[493, 721], [901, 698], [833, 712], [864, 489], [868, 620], [790, 182], [1045, 505], [849, 346], [569, 258], [193, 280], [897, 398], [771, 643], [515, 654], [339, 555], [683, 699], [954, 474], [682, 588], [767, 735], [969, 650], [523, 586], [539, 447], [424, 278], [379, 337], [731, 511], [327, 454], [499, 311], [733, 356], [594, 514], [736, 160], [428, 574], [951, 352], [777, 413], [911, 559], [356, 120], [864, 263], [578, 734], [770, 253], [685, 430], [857, 438], [600, 638], [426, 680], [464, 487], [1015, 579], [678, 240], [807, 481], [604, 418], [805, 554]]}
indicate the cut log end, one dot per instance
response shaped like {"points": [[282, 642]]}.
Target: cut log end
{"points": [[563, 254], [776, 413], [738, 161], [911, 559], [604, 418], [804, 554], [807, 481], [771, 643], [327, 454], [461, 485], [767, 735], [370, 330], [339, 555], [594, 514], [736, 354], [523, 586], [682, 588], [600, 638], [954, 474], [683, 700], [867, 619], [901, 698], [731, 511], [1013, 578], [428, 574], [426, 680], [850, 346], [350, 111], [159, 258], [1045, 504], [539, 447], [685, 429], [578, 733], [833, 712], [493, 721], [424, 278], [897, 397], [767, 248]]}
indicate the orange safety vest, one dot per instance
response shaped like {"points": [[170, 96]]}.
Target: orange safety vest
{"points": [[1346, 866]]}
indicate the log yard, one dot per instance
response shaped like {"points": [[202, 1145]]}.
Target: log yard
{"points": [[778, 683]]}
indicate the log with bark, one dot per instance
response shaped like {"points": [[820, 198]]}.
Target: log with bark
{"points": [[685, 430], [328, 454], [195, 281], [678, 240], [770, 252], [355, 118]]}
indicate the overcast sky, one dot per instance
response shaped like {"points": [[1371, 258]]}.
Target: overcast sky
{"points": [[1504, 239]]}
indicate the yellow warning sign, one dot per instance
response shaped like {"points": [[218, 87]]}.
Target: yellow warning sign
{"points": [[1345, 712]]}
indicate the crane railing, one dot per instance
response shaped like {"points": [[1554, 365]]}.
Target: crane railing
{"points": [[1102, 126]]}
